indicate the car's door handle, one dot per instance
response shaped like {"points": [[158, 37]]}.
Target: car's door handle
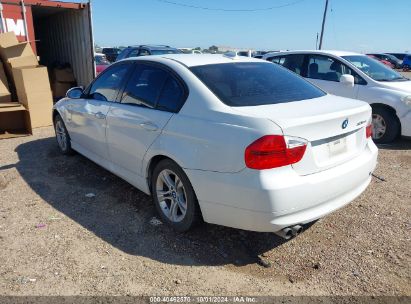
{"points": [[99, 115], [149, 126]]}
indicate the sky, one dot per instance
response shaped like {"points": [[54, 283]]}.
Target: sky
{"points": [[356, 25]]}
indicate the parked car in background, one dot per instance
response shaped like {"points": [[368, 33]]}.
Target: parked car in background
{"points": [[235, 141], [101, 62], [400, 56], [190, 51], [145, 50], [406, 63], [111, 53], [357, 76], [396, 63], [387, 63]]}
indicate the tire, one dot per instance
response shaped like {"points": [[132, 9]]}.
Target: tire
{"points": [[177, 205], [62, 136], [386, 126]]}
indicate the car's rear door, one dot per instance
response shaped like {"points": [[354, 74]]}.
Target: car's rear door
{"points": [[87, 116], [151, 97]]}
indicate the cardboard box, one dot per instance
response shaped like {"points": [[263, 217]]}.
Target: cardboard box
{"points": [[14, 121], [33, 91], [5, 96], [8, 39], [18, 50], [28, 80], [20, 62], [60, 89], [63, 75], [3, 77], [41, 116]]}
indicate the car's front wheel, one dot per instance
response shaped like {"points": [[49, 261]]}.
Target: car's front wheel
{"points": [[386, 126], [174, 196], [62, 136]]}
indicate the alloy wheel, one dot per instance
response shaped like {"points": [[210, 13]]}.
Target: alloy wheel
{"points": [[171, 195], [61, 135], [379, 126]]}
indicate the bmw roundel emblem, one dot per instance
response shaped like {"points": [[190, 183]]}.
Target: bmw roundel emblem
{"points": [[345, 124]]}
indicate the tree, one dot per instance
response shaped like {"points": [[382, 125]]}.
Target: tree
{"points": [[213, 49]]}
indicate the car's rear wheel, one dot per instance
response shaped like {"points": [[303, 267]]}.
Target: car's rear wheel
{"points": [[174, 196], [386, 126], [62, 136]]}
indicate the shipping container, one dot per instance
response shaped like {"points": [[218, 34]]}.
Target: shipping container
{"points": [[59, 32]]}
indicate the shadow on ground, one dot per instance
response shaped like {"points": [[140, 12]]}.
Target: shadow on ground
{"points": [[402, 143], [120, 215]]}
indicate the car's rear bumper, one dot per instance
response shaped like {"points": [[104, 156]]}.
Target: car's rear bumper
{"points": [[270, 200]]}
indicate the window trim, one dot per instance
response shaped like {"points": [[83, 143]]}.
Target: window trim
{"points": [[171, 73], [86, 94]]}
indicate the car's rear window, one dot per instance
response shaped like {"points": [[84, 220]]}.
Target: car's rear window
{"points": [[255, 83]]}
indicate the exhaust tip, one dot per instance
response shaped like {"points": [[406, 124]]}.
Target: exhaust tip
{"points": [[297, 229], [286, 233]]}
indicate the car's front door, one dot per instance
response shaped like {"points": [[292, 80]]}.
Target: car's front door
{"points": [[87, 116], [325, 72], [139, 119]]}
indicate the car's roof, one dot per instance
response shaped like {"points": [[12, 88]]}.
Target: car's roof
{"points": [[321, 52], [152, 47], [191, 60]]}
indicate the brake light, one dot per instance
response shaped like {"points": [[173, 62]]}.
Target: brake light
{"points": [[273, 151], [368, 131]]}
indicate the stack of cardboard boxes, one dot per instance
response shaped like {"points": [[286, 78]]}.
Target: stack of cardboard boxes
{"points": [[62, 79], [25, 96]]}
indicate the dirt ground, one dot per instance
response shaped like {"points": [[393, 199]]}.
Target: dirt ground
{"points": [[57, 238]]}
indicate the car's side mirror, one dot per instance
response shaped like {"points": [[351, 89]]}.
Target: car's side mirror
{"points": [[75, 93], [347, 80]]}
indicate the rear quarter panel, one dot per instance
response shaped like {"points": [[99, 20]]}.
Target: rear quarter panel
{"points": [[216, 144]]}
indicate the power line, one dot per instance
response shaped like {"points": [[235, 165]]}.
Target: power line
{"points": [[229, 10]]}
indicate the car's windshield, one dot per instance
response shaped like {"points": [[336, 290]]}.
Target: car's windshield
{"points": [[255, 83], [393, 58], [374, 69], [167, 51]]}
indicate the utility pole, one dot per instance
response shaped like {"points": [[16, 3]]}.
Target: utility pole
{"points": [[322, 28]]}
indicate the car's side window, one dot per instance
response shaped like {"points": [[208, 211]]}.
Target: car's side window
{"points": [[144, 52], [133, 53], [278, 60], [294, 63], [330, 69], [145, 86], [324, 68], [172, 96], [106, 87], [357, 78]]}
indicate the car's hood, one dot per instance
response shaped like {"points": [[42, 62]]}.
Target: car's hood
{"points": [[404, 86]]}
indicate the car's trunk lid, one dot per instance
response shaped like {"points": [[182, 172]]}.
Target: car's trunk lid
{"points": [[333, 126]]}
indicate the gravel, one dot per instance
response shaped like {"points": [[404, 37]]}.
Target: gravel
{"points": [[58, 239]]}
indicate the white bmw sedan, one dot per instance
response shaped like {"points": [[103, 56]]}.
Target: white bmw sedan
{"points": [[230, 140]]}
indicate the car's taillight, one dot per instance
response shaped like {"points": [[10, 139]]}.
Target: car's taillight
{"points": [[273, 151], [368, 131]]}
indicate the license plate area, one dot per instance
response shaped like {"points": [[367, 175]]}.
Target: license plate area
{"points": [[337, 147]]}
